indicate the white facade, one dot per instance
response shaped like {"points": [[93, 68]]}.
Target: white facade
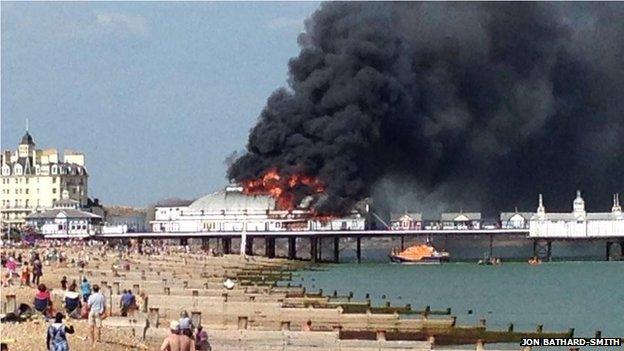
{"points": [[66, 222], [233, 211], [460, 220], [515, 220], [33, 180], [578, 223]]}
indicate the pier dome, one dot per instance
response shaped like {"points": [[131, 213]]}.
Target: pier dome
{"points": [[232, 199]]}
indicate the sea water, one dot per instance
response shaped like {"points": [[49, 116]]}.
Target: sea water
{"points": [[586, 296]]}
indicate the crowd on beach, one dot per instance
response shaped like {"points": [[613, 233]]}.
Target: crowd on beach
{"points": [[22, 265]]}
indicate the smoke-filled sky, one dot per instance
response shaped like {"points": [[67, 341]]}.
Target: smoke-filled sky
{"points": [[156, 94], [449, 106]]}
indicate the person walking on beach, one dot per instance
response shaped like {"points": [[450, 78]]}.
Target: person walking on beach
{"points": [[97, 308], [127, 302], [25, 274], [37, 271], [56, 339]]}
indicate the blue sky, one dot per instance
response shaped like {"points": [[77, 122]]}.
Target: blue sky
{"points": [[156, 94]]}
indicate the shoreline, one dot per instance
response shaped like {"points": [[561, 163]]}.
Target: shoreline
{"points": [[259, 310]]}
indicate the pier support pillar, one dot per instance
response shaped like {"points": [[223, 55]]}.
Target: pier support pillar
{"points": [[140, 245], [336, 249], [269, 246], [621, 249], [549, 251], [491, 245], [319, 250], [205, 244], [358, 249], [402, 242], [227, 245], [249, 246], [184, 241], [608, 251], [542, 250], [313, 248], [292, 247]]}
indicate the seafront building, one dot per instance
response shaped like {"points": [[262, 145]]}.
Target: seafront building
{"points": [[578, 223], [65, 218], [34, 179]]}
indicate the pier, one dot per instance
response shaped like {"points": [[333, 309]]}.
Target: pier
{"points": [[318, 240]]}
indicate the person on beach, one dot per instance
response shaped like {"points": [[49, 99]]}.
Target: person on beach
{"points": [[176, 341], [126, 302], [56, 339], [6, 277], [64, 283], [307, 326], [43, 301], [25, 274], [85, 289], [97, 308], [201, 340], [185, 324], [11, 266], [71, 300], [37, 271]]}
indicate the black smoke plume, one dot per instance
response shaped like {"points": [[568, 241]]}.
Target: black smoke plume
{"points": [[468, 104]]}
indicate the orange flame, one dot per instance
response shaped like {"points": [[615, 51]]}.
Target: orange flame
{"points": [[281, 187]]}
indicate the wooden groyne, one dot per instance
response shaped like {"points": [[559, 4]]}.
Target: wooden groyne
{"points": [[265, 309]]}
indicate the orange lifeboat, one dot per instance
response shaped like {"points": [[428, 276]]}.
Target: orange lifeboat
{"points": [[420, 254]]}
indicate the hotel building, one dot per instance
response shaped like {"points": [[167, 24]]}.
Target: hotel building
{"points": [[34, 180]]}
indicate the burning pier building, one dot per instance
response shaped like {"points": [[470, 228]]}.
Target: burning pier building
{"points": [[254, 208]]}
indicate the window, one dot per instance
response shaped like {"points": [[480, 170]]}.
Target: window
{"points": [[27, 190], [53, 190], [54, 179]]}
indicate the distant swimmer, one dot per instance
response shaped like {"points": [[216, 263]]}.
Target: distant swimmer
{"points": [[534, 261]]}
